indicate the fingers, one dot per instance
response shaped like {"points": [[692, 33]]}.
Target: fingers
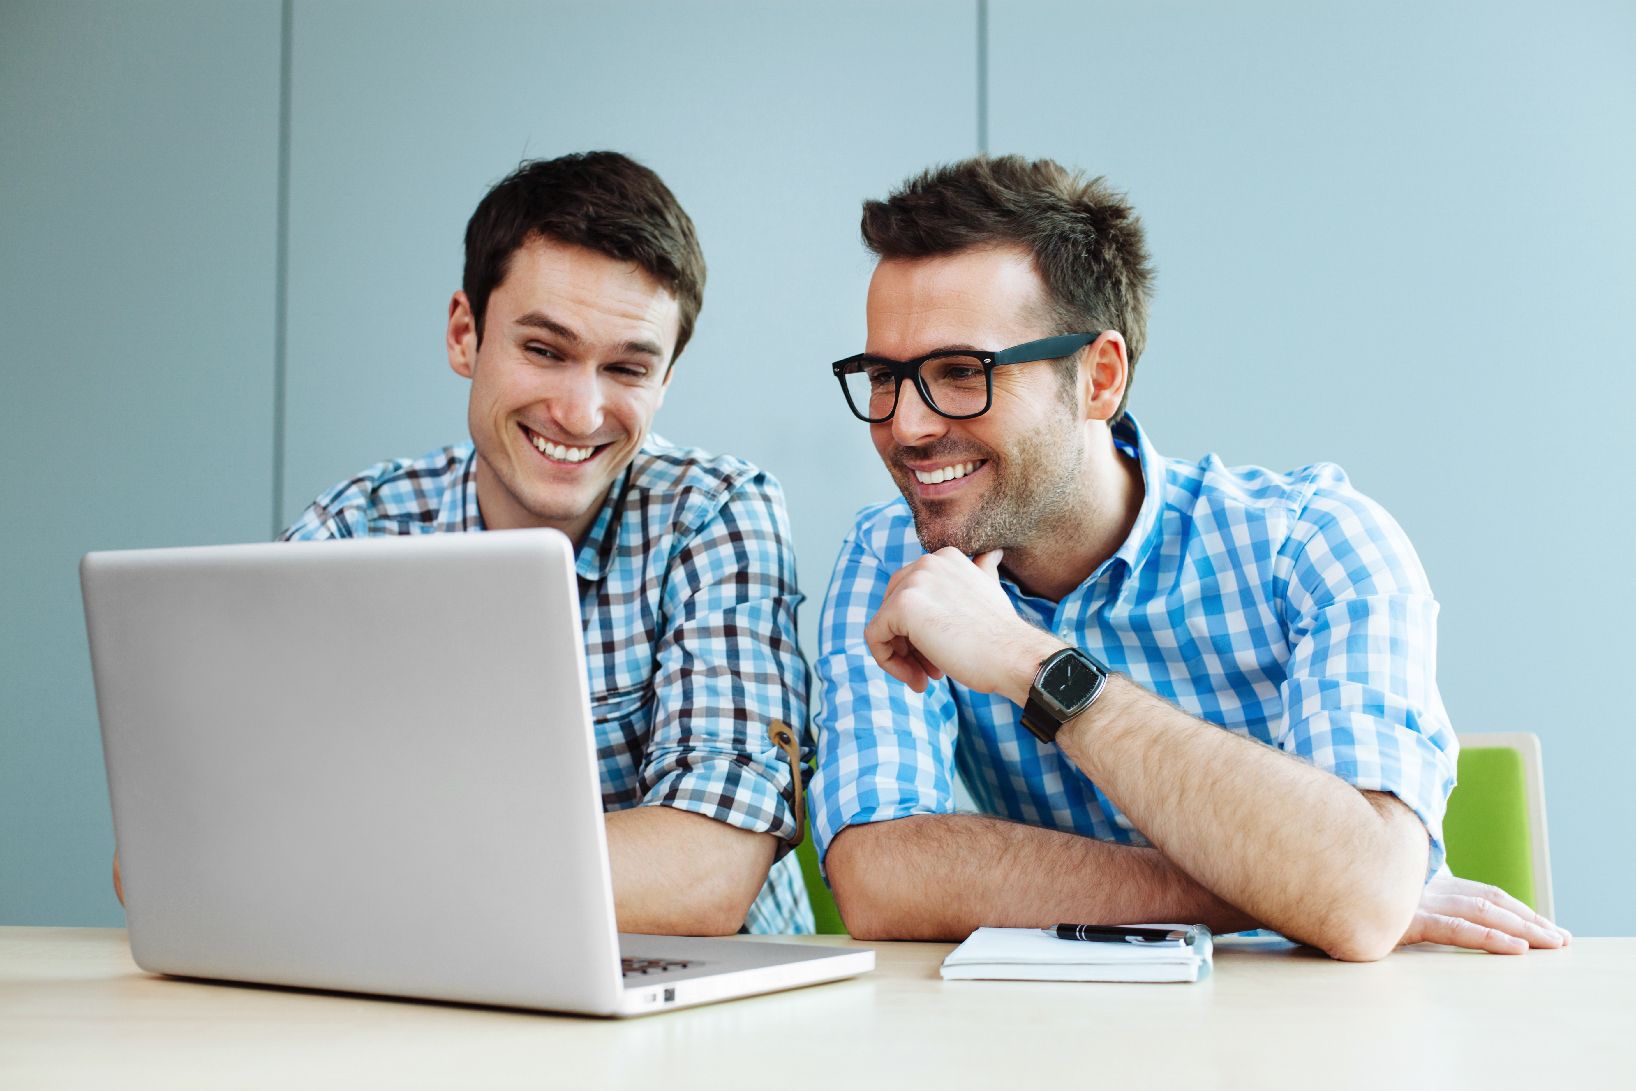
{"points": [[899, 659], [1486, 909], [1460, 932], [1520, 909], [1450, 894], [990, 562]]}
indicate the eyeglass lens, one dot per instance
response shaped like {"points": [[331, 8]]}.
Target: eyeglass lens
{"points": [[956, 385]]}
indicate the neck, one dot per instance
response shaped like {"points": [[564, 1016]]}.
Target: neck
{"points": [[1064, 554], [501, 511]]}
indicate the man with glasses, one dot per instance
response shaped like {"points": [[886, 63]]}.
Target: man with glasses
{"points": [[1179, 691], [582, 282]]}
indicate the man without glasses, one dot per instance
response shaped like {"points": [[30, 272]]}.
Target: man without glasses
{"points": [[1179, 690], [583, 279]]}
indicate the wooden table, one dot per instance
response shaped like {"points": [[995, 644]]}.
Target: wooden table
{"points": [[76, 1012]]}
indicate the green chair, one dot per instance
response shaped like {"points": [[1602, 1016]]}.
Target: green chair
{"points": [[1495, 826], [824, 913]]}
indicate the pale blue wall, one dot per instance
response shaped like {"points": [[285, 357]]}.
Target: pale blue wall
{"points": [[138, 186], [1402, 240]]}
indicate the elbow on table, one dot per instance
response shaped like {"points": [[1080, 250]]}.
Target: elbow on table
{"points": [[866, 919], [717, 921], [869, 898], [716, 913], [1361, 943], [1375, 894], [1370, 921]]}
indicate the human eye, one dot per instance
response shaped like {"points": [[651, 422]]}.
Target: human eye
{"points": [[958, 371], [879, 375], [629, 372], [541, 351]]}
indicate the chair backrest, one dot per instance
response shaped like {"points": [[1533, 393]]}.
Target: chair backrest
{"points": [[1495, 826], [824, 913]]}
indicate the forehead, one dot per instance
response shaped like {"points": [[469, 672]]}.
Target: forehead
{"points": [[989, 298], [600, 297]]}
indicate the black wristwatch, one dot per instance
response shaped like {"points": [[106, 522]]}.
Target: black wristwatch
{"points": [[1065, 686]]}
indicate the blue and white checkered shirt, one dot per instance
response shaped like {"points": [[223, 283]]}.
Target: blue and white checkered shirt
{"points": [[688, 597], [1287, 608]]}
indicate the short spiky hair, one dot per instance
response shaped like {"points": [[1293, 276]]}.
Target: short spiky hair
{"points": [[1086, 239], [603, 201]]}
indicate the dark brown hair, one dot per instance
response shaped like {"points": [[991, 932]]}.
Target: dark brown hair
{"points": [[603, 201], [1086, 239]]}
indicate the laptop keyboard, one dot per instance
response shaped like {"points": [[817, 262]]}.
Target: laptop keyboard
{"points": [[648, 967]]}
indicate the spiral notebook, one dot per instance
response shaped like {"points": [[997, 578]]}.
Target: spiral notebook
{"points": [[1034, 954]]}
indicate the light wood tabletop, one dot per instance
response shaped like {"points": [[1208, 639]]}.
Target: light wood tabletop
{"points": [[75, 1011]]}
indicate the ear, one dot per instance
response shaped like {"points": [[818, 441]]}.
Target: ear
{"points": [[461, 336], [1102, 376]]}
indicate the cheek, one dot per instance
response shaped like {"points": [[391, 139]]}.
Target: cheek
{"points": [[501, 389], [635, 409]]}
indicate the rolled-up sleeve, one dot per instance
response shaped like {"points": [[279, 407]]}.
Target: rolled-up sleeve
{"points": [[727, 664], [1360, 698]]}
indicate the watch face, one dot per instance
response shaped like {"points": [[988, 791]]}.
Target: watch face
{"points": [[1069, 681]]}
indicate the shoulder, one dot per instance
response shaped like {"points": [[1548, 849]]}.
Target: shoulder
{"points": [[686, 487], [661, 466], [1281, 504], [398, 491], [1312, 523]]}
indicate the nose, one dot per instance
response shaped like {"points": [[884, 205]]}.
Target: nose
{"points": [[577, 404], [914, 422]]}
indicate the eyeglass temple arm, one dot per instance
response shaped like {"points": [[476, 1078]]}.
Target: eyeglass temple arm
{"points": [[1049, 348]]}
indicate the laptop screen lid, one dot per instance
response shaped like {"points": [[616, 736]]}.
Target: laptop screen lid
{"points": [[363, 765]]}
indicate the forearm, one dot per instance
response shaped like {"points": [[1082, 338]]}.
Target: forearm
{"points": [[937, 877], [1298, 848], [679, 873], [1291, 845]]}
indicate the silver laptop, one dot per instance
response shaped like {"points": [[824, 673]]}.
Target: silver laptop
{"points": [[369, 765]]}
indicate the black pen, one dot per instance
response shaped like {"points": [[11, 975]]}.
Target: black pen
{"points": [[1115, 933]]}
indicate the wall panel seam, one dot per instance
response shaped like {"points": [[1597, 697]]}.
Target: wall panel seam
{"points": [[281, 265], [982, 77]]}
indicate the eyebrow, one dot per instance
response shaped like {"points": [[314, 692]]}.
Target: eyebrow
{"points": [[933, 352], [539, 321]]}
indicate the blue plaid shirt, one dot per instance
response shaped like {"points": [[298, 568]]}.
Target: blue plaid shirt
{"points": [[688, 597], [1287, 608]]}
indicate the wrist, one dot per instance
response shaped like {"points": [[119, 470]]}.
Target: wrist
{"points": [[1033, 651], [1096, 723]]}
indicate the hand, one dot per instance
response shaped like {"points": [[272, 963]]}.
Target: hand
{"points": [[946, 614], [1469, 914]]}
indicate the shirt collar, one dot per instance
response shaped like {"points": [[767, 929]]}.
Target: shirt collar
{"points": [[1144, 533], [597, 551]]}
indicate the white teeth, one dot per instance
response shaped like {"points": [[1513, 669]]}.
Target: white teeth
{"points": [[947, 473], [559, 452]]}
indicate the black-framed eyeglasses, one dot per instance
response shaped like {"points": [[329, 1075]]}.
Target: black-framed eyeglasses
{"points": [[954, 383]]}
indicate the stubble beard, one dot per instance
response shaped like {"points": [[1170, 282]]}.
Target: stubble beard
{"points": [[1036, 491]]}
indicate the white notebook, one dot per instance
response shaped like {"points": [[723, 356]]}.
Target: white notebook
{"points": [[1032, 954]]}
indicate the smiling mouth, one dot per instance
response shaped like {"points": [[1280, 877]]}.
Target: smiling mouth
{"points": [[952, 472], [559, 452]]}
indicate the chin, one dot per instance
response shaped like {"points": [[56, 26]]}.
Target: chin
{"points": [[935, 535]]}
